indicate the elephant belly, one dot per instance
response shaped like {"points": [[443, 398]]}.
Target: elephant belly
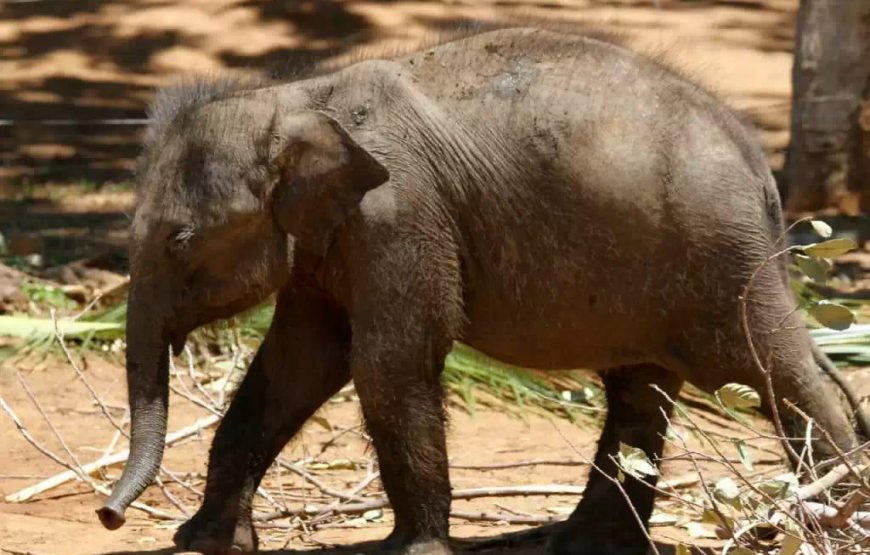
{"points": [[565, 333]]}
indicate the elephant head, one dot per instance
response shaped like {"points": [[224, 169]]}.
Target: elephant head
{"points": [[228, 189]]}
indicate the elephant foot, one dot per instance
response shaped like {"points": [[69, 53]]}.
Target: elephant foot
{"points": [[211, 537], [431, 547], [399, 544]]}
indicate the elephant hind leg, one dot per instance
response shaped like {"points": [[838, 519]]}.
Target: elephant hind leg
{"points": [[636, 415], [712, 358], [402, 401]]}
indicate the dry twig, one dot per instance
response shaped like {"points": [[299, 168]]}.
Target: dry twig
{"points": [[121, 456]]}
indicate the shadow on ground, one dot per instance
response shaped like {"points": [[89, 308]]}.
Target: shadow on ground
{"points": [[468, 546], [81, 71], [79, 75], [64, 236]]}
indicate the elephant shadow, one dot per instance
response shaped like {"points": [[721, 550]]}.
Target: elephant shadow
{"points": [[516, 543]]}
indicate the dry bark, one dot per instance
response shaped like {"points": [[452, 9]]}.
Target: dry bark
{"points": [[830, 78]]}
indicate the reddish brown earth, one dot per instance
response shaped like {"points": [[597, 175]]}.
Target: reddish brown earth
{"points": [[95, 60], [62, 520], [101, 59]]}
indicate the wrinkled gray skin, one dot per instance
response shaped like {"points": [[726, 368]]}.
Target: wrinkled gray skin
{"points": [[551, 200]]}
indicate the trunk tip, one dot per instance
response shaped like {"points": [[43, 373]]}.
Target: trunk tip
{"points": [[112, 519]]}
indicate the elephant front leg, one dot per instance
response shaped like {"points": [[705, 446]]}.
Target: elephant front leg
{"points": [[603, 521], [301, 363], [402, 402], [407, 314]]}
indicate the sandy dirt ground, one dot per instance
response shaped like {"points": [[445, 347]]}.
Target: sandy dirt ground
{"points": [[65, 65], [62, 520]]}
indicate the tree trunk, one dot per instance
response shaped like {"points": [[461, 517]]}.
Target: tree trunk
{"points": [[826, 164], [862, 152]]}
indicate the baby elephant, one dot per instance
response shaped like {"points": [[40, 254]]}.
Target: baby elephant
{"points": [[551, 200]]}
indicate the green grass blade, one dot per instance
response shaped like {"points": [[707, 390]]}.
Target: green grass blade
{"points": [[23, 326]]}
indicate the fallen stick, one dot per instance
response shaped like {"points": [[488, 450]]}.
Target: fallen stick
{"points": [[352, 494], [117, 437], [517, 491], [72, 470], [190, 397], [308, 477], [381, 502], [832, 478], [847, 511], [121, 456], [48, 421], [29, 438], [513, 511], [119, 428], [539, 462], [509, 519], [515, 519], [758, 462], [833, 518], [464, 515], [858, 474]]}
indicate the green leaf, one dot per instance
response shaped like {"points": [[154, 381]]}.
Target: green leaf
{"points": [[791, 544], [374, 515], [738, 396], [682, 549], [321, 421], [21, 326], [744, 454], [635, 462], [779, 487], [760, 508], [42, 294], [832, 315], [814, 268], [823, 229], [830, 248], [789, 526], [709, 516]]}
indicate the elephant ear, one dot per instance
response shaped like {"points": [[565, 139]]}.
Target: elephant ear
{"points": [[322, 173]]}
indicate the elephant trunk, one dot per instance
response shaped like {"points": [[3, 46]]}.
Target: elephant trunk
{"points": [[148, 391]]}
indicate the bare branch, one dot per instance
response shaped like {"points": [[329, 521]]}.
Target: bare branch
{"points": [[63, 477]]}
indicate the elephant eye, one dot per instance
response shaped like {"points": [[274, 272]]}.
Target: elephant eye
{"points": [[179, 240]]}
